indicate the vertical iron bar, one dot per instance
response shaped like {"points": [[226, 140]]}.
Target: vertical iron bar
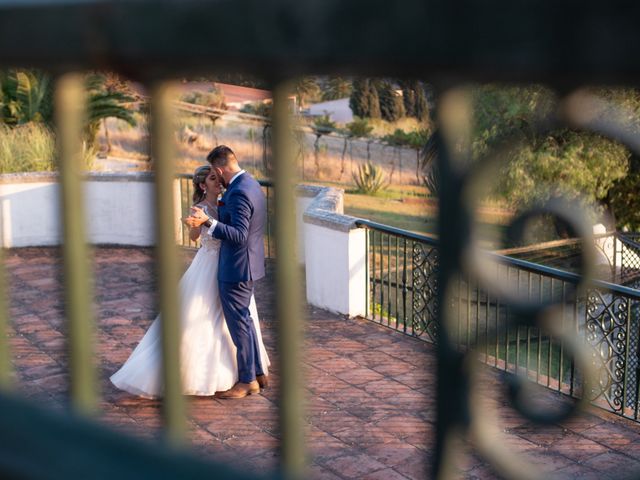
{"points": [[573, 365], [561, 361], [540, 295], [404, 285], [626, 357], [397, 281], [269, 217], [528, 327], [388, 279], [367, 280], [468, 313], [486, 331], [506, 328], [162, 151], [373, 290], [70, 103], [550, 342], [477, 322], [288, 299], [517, 326], [458, 291], [497, 352], [381, 277]]}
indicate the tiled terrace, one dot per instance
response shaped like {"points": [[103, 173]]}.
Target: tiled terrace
{"points": [[371, 391]]}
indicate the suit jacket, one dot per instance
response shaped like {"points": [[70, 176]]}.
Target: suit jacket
{"points": [[242, 217]]}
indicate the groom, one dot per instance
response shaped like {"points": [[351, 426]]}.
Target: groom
{"points": [[242, 216]]}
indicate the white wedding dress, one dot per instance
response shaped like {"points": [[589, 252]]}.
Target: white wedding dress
{"points": [[207, 353]]}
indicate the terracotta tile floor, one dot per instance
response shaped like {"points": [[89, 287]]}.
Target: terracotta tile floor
{"points": [[370, 391]]}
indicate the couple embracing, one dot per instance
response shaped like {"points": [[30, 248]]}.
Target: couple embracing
{"points": [[221, 349]]}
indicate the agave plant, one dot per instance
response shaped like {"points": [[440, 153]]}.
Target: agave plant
{"points": [[370, 178]]}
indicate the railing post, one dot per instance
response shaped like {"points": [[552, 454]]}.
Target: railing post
{"points": [[5, 354], [69, 103], [168, 260], [288, 299]]}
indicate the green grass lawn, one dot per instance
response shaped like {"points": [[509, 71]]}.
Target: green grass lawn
{"points": [[410, 209]]}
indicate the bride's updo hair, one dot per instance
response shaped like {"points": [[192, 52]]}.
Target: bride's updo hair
{"points": [[199, 176]]}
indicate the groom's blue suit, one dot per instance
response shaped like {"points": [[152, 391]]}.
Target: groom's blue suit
{"points": [[242, 217]]}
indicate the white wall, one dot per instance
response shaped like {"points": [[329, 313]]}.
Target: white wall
{"points": [[336, 269], [117, 212], [302, 203], [30, 214]]}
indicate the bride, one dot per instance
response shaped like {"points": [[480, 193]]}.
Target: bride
{"points": [[207, 353]]}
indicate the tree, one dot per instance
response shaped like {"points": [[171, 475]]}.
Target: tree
{"points": [[364, 101], [337, 88], [391, 106], [414, 99], [322, 125], [623, 201], [306, 88], [25, 96], [574, 164], [107, 98], [359, 128], [421, 105]]}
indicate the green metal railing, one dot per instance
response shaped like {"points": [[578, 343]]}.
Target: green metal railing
{"points": [[402, 283]]}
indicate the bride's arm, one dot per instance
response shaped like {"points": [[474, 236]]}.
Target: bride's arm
{"points": [[194, 233]]}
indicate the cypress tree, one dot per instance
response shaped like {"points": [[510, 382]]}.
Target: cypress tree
{"points": [[373, 100], [391, 105], [359, 99], [421, 105]]}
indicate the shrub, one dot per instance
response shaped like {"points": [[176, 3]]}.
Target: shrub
{"points": [[26, 148], [370, 179], [31, 148]]}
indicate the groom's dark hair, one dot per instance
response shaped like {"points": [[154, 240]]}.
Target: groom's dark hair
{"points": [[221, 156]]}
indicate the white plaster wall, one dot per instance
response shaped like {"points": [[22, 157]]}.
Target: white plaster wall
{"points": [[117, 212], [302, 203], [30, 214], [336, 269], [120, 213]]}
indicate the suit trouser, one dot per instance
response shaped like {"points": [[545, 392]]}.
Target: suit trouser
{"points": [[235, 299]]}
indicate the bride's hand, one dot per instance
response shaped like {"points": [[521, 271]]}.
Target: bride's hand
{"points": [[197, 217], [192, 222]]}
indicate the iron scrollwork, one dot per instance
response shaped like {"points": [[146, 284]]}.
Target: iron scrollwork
{"points": [[425, 305], [462, 185], [606, 332]]}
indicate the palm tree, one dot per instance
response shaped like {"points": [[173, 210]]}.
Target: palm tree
{"points": [[338, 88], [306, 88], [25, 96], [108, 97]]}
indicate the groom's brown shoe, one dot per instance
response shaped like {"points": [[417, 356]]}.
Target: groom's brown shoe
{"points": [[239, 390], [263, 381]]}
